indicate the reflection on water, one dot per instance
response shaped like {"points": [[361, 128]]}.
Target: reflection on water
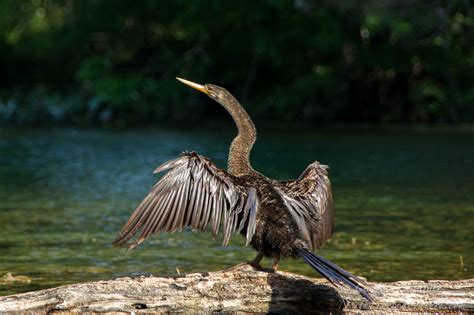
{"points": [[404, 202]]}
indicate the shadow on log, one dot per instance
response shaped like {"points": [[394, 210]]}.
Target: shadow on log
{"points": [[241, 289]]}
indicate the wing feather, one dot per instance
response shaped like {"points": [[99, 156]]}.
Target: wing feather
{"points": [[193, 193], [309, 200], [252, 203]]}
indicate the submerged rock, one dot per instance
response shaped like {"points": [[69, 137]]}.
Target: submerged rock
{"points": [[9, 278]]}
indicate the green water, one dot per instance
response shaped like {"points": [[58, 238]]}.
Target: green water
{"points": [[404, 202]]}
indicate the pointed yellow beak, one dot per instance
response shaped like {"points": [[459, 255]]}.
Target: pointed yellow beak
{"points": [[196, 86]]}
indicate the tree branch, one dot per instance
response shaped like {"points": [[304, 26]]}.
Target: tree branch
{"points": [[241, 289]]}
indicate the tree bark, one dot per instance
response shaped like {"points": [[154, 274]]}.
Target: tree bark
{"points": [[242, 289]]}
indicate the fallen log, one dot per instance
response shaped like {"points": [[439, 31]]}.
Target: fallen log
{"points": [[241, 289]]}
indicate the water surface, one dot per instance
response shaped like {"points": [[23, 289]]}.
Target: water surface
{"points": [[404, 202]]}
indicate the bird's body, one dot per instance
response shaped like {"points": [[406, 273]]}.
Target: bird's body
{"points": [[277, 234], [278, 218], [274, 229]]}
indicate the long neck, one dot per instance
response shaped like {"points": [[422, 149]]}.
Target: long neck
{"points": [[239, 152]]}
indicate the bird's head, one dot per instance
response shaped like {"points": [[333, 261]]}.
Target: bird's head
{"points": [[213, 91]]}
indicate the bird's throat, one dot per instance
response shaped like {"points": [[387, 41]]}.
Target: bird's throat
{"points": [[239, 155], [239, 152]]}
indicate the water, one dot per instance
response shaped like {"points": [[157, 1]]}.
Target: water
{"points": [[404, 202]]}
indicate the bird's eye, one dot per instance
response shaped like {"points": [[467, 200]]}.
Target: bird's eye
{"points": [[211, 91]]}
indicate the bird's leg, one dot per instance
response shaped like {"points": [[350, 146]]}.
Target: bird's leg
{"points": [[275, 263], [256, 261]]}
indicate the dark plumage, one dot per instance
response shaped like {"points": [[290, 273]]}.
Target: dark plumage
{"points": [[278, 218]]}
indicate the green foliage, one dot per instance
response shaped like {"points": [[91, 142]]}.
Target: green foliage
{"points": [[107, 61]]}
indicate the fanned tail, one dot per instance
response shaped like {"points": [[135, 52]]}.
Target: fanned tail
{"points": [[335, 274]]}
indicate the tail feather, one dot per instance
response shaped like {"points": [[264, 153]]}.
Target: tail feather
{"points": [[335, 274]]}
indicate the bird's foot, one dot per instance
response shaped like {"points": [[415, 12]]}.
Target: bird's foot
{"points": [[254, 264], [242, 264], [256, 261], [274, 267]]}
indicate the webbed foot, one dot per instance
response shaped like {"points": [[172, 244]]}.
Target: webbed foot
{"points": [[255, 263], [274, 266]]}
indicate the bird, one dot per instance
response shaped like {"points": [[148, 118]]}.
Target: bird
{"points": [[279, 219]]}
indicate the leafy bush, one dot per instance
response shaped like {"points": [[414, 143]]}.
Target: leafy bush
{"points": [[96, 62]]}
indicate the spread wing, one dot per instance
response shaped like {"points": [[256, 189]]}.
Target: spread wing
{"points": [[309, 200], [194, 193]]}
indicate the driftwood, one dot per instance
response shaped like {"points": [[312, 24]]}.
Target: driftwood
{"points": [[241, 289]]}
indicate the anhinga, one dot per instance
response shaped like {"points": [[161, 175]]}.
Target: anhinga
{"points": [[278, 218]]}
